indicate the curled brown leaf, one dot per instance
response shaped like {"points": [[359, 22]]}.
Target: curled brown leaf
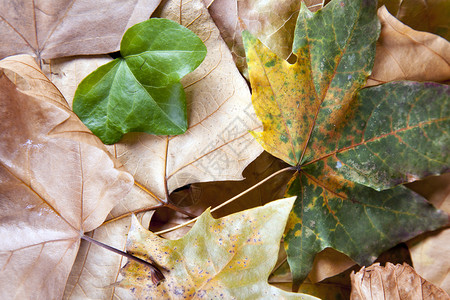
{"points": [[406, 54], [392, 282]]}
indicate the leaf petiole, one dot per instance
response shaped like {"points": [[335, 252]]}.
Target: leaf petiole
{"points": [[157, 275], [230, 200]]}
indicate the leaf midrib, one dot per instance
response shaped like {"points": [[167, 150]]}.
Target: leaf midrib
{"points": [[162, 52], [332, 78], [418, 125], [156, 103]]}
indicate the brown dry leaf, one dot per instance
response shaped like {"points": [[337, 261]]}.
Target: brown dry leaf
{"points": [[273, 22], [327, 263], [336, 287], [405, 54], [431, 16], [210, 108], [392, 282], [217, 145], [96, 269], [224, 14], [57, 182], [430, 252], [66, 73], [56, 28]]}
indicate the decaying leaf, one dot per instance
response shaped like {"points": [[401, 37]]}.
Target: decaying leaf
{"points": [[431, 16], [392, 282], [227, 258], [352, 149], [225, 16], [217, 145], [57, 182], [429, 252], [271, 21], [55, 28], [405, 54]]}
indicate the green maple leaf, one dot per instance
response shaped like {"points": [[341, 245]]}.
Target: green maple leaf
{"points": [[352, 148], [141, 91], [227, 258]]}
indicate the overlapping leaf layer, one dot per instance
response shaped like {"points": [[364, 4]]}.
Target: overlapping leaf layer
{"points": [[352, 148]]}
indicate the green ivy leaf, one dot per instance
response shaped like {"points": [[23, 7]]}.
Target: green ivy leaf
{"points": [[227, 258], [352, 148], [141, 91]]}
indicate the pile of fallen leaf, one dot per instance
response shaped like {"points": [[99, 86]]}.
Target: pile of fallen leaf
{"points": [[59, 182]]}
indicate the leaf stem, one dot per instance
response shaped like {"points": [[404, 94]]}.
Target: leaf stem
{"points": [[157, 275], [230, 200], [166, 188], [148, 191]]}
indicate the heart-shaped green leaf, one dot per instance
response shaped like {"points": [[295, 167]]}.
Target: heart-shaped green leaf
{"points": [[141, 91]]}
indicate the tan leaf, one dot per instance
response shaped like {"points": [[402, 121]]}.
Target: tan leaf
{"points": [[56, 28], [212, 111], [67, 73], [273, 22], [392, 282], [431, 16], [430, 252], [217, 145], [57, 182], [336, 287], [405, 54], [327, 263], [95, 269]]}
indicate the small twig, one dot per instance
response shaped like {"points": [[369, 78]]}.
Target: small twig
{"points": [[166, 188], [157, 276], [230, 200]]}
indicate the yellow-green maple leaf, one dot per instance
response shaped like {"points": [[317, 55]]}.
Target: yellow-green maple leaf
{"points": [[227, 258]]}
